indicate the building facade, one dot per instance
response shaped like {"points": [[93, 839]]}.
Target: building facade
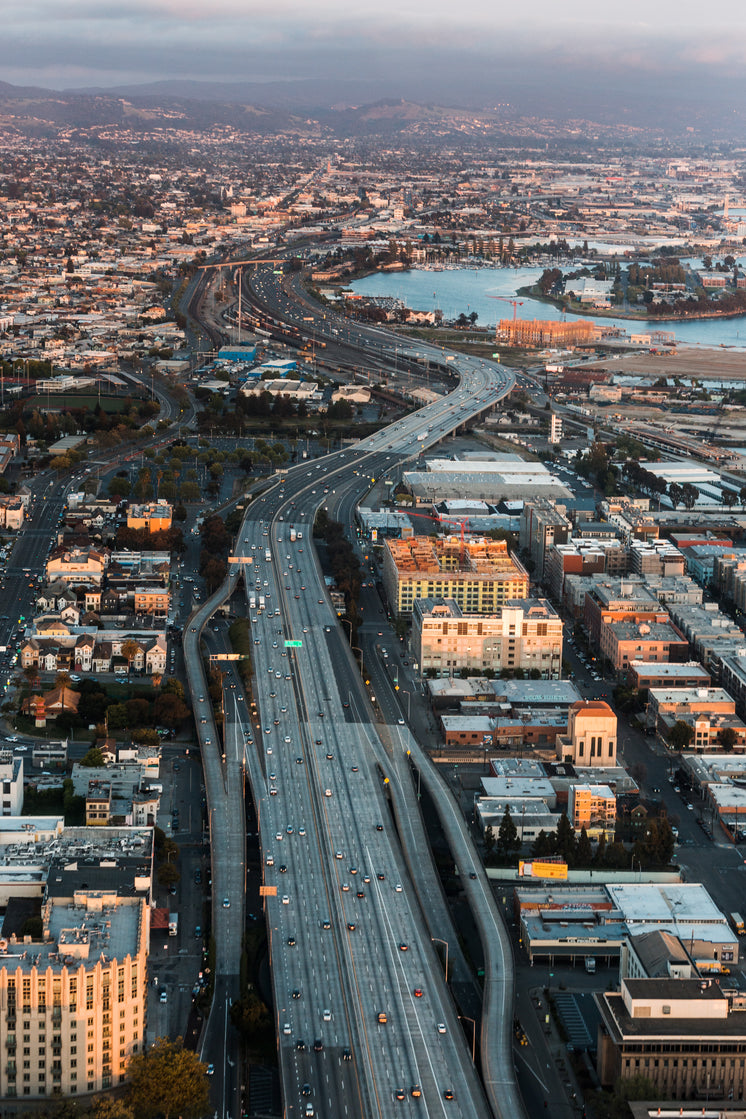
{"points": [[72, 1006], [523, 635], [591, 737]]}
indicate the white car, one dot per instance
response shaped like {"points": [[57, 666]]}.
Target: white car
{"points": [[285, 899]]}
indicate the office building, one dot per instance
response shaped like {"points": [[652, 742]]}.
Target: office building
{"points": [[684, 1035]]}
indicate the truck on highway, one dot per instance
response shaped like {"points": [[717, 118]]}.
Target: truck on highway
{"points": [[252, 600], [267, 555], [422, 436], [261, 601], [293, 534], [173, 924]]}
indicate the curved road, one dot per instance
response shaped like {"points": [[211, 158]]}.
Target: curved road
{"points": [[305, 715]]}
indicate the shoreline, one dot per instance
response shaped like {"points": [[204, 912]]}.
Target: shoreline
{"points": [[628, 316]]}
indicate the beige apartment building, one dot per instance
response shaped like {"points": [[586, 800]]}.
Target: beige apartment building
{"points": [[525, 634], [479, 573], [592, 807], [72, 1006], [591, 737]]}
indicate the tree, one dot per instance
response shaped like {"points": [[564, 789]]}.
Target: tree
{"points": [[130, 649], [584, 852], [680, 735], [566, 842], [507, 836], [168, 875], [167, 1080], [728, 738], [107, 1107], [689, 495], [94, 757], [169, 710]]}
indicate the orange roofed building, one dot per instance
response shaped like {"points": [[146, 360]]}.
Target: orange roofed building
{"points": [[479, 573], [591, 737]]}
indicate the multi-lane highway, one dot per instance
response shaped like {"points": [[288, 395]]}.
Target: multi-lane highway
{"points": [[349, 942]]}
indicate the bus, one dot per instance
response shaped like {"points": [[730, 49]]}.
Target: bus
{"points": [[737, 922]]}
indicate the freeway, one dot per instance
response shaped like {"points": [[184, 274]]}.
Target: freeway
{"points": [[343, 949]]}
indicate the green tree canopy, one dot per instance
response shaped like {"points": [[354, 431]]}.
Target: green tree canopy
{"points": [[167, 1080]]}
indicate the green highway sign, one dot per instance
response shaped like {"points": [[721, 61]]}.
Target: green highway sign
{"points": [[293, 644]]}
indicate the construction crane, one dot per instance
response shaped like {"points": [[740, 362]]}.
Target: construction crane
{"points": [[239, 265], [515, 303], [443, 520]]}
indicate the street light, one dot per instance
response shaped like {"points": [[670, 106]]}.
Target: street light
{"points": [[441, 941], [465, 1018]]}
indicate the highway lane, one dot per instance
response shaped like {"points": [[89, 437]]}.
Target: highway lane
{"points": [[383, 975], [406, 1049]]}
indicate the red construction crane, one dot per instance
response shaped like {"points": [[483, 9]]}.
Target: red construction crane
{"points": [[515, 303], [442, 520]]}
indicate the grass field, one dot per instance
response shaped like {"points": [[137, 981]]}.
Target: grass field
{"points": [[82, 401]]}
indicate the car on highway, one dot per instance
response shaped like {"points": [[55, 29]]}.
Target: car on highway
{"points": [[441, 1027]]}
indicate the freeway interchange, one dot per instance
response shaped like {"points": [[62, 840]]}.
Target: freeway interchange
{"points": [[364, 1021]]}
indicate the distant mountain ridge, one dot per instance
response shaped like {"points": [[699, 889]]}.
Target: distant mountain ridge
{"points": [[364, 107]]}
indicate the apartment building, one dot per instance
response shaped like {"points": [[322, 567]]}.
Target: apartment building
{"points": [[656, 557], [154, 516], [708, 711], [623, 642], [526, 634], [151, 600], [72, 1005], [582, 557], [11, 784], [11, 512], [479, 574], [77, 565], [543, 524], [591, 737], [592, 807], [619, 600], [684, 1035]]}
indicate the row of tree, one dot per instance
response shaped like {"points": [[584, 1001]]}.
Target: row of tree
{"points": [[653, 849]]}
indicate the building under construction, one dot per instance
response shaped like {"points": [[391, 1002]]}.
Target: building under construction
{"points": [[478, 573], [545, 332]]}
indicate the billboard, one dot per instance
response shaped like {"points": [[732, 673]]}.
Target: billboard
{"points": [[542, 868]]}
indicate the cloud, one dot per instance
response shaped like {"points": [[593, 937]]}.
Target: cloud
{"points": [[83, 42]]}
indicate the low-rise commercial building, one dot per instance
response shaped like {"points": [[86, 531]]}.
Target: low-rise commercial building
{"points": [[652, 674], [683, 1035], [155, 516]]}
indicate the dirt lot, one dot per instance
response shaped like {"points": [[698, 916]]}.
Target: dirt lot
{"points": [[684, 362]]}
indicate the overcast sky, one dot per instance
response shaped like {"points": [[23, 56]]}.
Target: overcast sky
{"points": [[73, 43]]}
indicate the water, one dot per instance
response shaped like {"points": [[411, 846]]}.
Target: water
{"points": [[467, 289]]}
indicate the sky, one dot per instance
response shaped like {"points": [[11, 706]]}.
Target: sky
{"points": [[64, 44]]}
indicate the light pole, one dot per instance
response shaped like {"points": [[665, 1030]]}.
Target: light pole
{"points": [[440, 940], [409, 703], [465, 1018]]}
